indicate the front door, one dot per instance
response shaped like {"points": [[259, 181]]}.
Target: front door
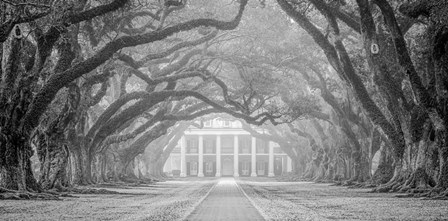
{"points": [[193, 168], [278, 166], [209, 168], [245, 168], [261, 168], [227, 167]]}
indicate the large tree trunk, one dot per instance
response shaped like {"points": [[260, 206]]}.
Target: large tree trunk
{"points": [[160, 166], [440, 57], [15, 166], [81, 170], [355, 165], [53, 155], [76, 169], [87, 160], [124, 170], [103, 167], [442, 180], [330, 172], [340, 169], [155, 170], [52, 147], [298, 166], [384, 172], [314, 169], [15, 95], [127, 173], [421, 155]]}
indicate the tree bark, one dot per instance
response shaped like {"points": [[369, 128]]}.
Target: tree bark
{"points": [[15, 166], [53, 156], [384, 172]]}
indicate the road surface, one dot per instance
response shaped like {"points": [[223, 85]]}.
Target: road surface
{"points": [[225, 202]]}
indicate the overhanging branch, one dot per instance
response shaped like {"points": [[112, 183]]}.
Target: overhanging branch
{"points": [[57, 81]]}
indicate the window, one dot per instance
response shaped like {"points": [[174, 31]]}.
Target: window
{"points": [[226, 123], [262, 146], [208, 123], [193, 168], [192, 145], [277, 150], [227, 144], [245, 167], [209, 146], [245, 144], [261, 166], [246, 149], [208, 167]]}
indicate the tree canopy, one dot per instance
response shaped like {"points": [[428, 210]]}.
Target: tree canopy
{"points": [[334, 83]]}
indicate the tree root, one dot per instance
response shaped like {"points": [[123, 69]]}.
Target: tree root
{"points": [[383, 174], [389, 187], [425, 194], [89, 191], [355, 182], [53, 194], [289, 177], [361, 185], [337, 183], [436, 193], [394, 185], [350, 182], [417, 185], [64, 191], [137, 181], [323, 181], [364, 185], [7, 194]]}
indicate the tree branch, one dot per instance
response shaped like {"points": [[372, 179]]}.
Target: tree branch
{"points": [[99, 95], [7, 27], [26, 4], [95, 12], [57, 81]]}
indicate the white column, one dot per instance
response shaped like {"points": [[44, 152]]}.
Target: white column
{"points": [[288, 164], [271, 160], [218, 155], [235, 156], [254, 157], [183, 165], [201, 157]]}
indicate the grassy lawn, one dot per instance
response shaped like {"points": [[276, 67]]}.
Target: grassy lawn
{"points": [[169, 200], [310, 201]]}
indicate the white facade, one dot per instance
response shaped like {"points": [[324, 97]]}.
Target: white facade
{"points": [[223, 148]]}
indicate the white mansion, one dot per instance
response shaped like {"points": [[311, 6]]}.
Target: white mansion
{"points": [[223, 148]]}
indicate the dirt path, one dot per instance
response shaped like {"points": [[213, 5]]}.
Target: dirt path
{"points": [[225, 202]]}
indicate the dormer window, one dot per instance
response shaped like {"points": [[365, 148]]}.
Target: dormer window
{"points": [[208, 123], [226, 123]]}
